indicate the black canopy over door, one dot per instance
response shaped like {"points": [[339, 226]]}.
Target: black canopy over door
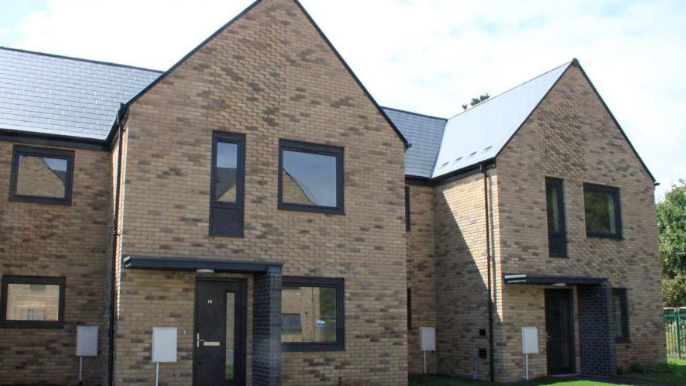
{"points": [[219, 349], [559, 323]]}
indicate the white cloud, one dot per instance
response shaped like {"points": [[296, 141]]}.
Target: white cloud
{"points": [[429, 55]]}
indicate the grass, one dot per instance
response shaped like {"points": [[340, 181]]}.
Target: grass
{"points": [[672, 373], [435, 380]]}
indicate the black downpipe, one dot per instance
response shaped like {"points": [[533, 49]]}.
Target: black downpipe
{"points": [[491, 345], [121, 118]]}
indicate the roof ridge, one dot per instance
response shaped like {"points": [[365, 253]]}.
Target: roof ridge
{"points": [[413, 113], [78, 59], [571, 62]]}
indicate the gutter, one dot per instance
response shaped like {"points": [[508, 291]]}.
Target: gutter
{"points": [[490, 261], [122, 116]]}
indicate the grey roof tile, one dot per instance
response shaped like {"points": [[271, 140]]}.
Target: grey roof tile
{"points": [[424, 133], [56, 95]]}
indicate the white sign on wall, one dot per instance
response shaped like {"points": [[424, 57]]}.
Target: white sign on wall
{"points": [[164, 344], [86, 341], [529, 340], [427, 337]]}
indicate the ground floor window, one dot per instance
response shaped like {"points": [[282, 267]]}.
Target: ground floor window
{"points": [[621, 316], [32, 302], [312, 314]]}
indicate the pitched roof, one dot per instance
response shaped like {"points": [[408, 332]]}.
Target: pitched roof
{"points": [[425, 134], [480, 133], [57, 95]]}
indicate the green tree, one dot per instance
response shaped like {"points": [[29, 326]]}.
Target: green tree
{"points": [[476, 101], [671, 221]]}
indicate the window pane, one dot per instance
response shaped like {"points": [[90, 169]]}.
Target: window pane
{"points": [[310, 314], [600, 212], [230, 328], [309, 179], [226, 172], [617, 311], [33, 302], [42, 176], [553, 209]]}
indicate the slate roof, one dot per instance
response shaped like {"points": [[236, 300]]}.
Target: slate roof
{"points": [[425, 134], [56, 95], [62, 96], [480, 133]]}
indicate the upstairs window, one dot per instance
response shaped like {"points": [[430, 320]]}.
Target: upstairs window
{"points": [[621, 315], [32, 302], [41, 175], [603, 215], [557, 237], [312, 314], [227, 185], [310, 177]]}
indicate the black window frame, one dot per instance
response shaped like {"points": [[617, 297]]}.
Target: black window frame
{"points": [[305, 147], [409, 310], [339, 285], [30, 151], [408, 219], [614, 192], [32, 324], [622, 293], [557, 238], [239, 206]]}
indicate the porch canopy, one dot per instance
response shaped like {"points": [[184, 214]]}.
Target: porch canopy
{"points": [[539, 279], [170, 263]]}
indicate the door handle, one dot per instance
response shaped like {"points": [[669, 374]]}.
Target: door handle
{"points": [[198, 340], [205, 343]]}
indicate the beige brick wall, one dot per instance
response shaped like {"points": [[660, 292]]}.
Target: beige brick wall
{"points": [[56, 240], [269, 76], [571, 136], [462, 280], [421, 274]]}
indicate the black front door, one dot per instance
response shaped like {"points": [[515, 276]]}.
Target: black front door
{"points": [[559, 324], [219, 339]]}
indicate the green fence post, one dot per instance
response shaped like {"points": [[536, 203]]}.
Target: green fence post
{"points": [[678, 335]]}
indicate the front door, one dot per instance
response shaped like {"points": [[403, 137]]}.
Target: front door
{"points": [[559, 324], [219, 339]]}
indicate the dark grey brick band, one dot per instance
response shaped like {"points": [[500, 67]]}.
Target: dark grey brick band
{"points": [[597, 341], [266, 363]]}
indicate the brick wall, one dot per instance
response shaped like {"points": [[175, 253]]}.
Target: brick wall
{"points": [[56, 240], [268, 76], [571, 136], [461, 273]]}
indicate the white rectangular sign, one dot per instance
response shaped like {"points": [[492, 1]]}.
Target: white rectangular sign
{"points": [[86, 341], [427, 337], [529, 340], [164, 344]]}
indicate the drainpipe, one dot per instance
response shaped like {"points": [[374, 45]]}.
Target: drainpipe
{"points": [[122, 116], [490, 272]]}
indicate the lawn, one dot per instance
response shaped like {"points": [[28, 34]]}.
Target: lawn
{"points": [[672, 373], [447, 381]]}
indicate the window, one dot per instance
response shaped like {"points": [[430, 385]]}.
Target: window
{"points": [[557, 237], [621, 315], [313, 316], [41, 175], [409, 308], [32, 302], [227, 185], [408, 220], [310, 177], [603, 218]]}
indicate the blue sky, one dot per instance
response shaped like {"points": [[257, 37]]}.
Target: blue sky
{"points": [[429, 56]]}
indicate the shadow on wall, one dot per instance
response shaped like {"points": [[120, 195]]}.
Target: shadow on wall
{"points": [[462, 279]]}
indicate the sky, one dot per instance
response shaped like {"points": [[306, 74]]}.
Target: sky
{"points": [[428, 56]]}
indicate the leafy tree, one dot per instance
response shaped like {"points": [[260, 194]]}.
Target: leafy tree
{"points": [[671, 221], [476, 101]]}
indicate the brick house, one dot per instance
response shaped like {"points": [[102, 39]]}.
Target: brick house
{"points": [[256, 197]]}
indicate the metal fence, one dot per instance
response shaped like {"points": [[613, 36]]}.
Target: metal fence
{"points": [[675, 328]]}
